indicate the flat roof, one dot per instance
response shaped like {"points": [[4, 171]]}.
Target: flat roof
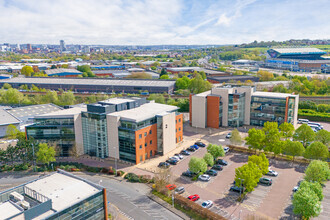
{"points": [[64, 112], [61, 70], [144, 112], [7, 118], [273, 94], [7, 210], [33, 110], [89, 81], [116, 101], [204, 94], [63, 190], [298, 50]]}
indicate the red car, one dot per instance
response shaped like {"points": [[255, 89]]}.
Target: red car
{"points": [[171, 186], [194, 197]]}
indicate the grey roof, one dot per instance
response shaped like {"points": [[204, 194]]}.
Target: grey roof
{"points": [[89, 81], [26, 112], [273, 94], [298, 50], [61, 70], [70, 112], [7, 119], [109, 71]]}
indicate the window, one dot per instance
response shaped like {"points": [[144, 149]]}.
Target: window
{"points": [[166, 126], [140, 136], [151, 153], [150, 132], [179, 138], [145, 144], [176, 121], [179, 128], [145, 134], [145, 156], [151, 142], [179, 119], [141, 159], [176, 130], [141, 146], [176, 140]]}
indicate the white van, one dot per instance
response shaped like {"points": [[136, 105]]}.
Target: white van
{"points": [[315, 124], [303, 121], [315, 127]]}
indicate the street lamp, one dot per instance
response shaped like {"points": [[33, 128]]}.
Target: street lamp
{"points": [[240, 190]]}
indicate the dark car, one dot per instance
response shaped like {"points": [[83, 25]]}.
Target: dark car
{"points": [[212, 172], [217, 167], [200, 144], [222, 162], [172, 162], [191, 149], [236, 189], [188, 173], [164, 165], [195, 146], [185, 152], [266, 181]]}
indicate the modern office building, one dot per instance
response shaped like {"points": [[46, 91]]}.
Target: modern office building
{"points": [[128, 129], [241, 105], [59, 195]]}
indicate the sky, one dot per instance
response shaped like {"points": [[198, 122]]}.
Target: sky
{"points": [[156, 22]]}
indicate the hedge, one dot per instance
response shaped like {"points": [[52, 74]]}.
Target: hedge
{"points": [[313, 115]]}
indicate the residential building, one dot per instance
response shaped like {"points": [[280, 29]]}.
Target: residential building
{"points": [[129, 129], [241, 105], [62, 45], [59, 195]]}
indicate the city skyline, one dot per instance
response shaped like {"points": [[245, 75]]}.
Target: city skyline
{"points": [[161, 23]]}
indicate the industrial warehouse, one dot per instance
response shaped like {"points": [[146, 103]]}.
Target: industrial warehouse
{"points": [[95, 85]]}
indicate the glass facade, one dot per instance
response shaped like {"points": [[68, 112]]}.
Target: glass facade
{"points": [[236, 106], [95, 138], [291, 110], [265, 109], [55, 131]]}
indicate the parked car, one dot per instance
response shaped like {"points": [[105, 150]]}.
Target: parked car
{"points": [[180, 190], [200, 144], [179, 156], [204, 177], [172, 162], [164, 165], [185, 152], [194, 197], [272, 173], [175, 158], [195, 146], [265, 180], [222, 162], [212, 172], [315, 124], [171, 186], [217, 167], [192, 149], [295, 189], [228, 135], [236, 189], [226, 149], [207, 204], [188, 173], [303, 121]]}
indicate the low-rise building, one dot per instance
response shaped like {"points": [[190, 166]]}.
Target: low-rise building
{"points": [[241, 105], [59, 195], [61, 72], [7, 119]]}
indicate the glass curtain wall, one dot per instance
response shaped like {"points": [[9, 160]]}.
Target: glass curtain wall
{"points": [[236, 106]]}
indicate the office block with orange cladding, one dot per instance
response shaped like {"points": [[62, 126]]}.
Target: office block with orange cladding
{"points": [[213, 108], [179, 128], [145, 143]]}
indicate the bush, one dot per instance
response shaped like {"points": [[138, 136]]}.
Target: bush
{"points": [[120, 173], [40, 169]]}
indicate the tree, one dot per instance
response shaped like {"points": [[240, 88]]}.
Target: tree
{"points": [[12, 131], [265, 75], [236, 137], [164, 77], [293, 148], [215, 150], [306, 203], [317, 171], [316, 150], [67, 98], [6, 86], [209, 159], [249, 174], [323, 136], [27, 71], [261, 161], [304, 134], [287, 130], [163, 72], [198, 85], [159, 98], [255, 139], [45, 154], [11, 96], [197, 165], [182, 83], [162, 178], [272, 135], [314, 186]]}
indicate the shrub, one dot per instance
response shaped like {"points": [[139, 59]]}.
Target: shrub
{"points": [[120, 173]]}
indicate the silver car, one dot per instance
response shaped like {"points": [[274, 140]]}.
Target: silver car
{"points": [[207, 204], [204, 177]]}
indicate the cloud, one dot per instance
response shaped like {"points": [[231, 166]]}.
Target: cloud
{"points": [[118, 22]]}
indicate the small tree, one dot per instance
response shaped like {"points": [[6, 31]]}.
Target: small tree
{"points": [[209, 159], [27, 70], [215, 150], [294, 148], [249, 174], [12, 131], [314, 186], [304, 134], [306, 203], [287, 130], [163, 72], [45, 154], [255, 139], [272, 135], [6, 86], [162, 178], [317, 150], [317, 171], [236, 137], [261, 161], [197, 165], [323, 136]]}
